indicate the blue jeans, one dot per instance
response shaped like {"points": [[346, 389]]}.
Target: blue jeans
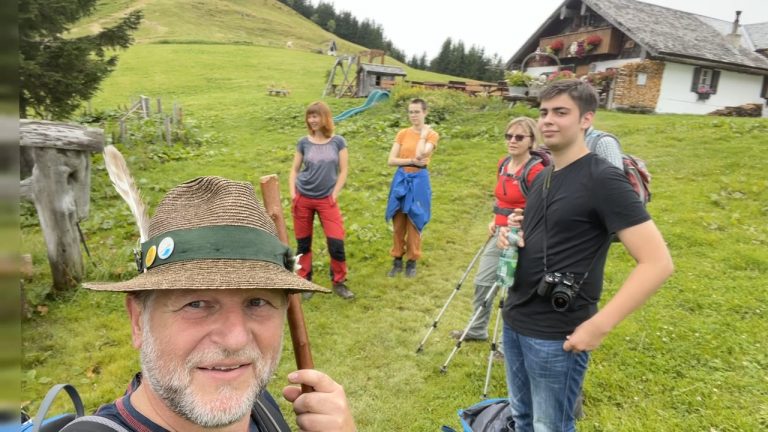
{"points": [[543, 382]]}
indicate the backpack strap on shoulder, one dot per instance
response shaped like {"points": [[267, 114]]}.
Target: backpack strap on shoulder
{"points": [[595, 136], [503, 165], [48, 401], [93, 424], [268, 417], [523, 180]]}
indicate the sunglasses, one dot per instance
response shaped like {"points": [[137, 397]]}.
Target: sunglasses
{"points": [[517, 137]]}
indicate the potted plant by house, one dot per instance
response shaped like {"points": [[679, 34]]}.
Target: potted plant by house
{"points": [[518, 82], [555, 47], [704, 91], [560, 75]]}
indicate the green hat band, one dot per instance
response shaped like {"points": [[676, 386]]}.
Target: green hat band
{"points": [[214, 242]]}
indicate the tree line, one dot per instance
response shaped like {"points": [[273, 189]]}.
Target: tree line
{"points": [[453, 59], [366, 32]]}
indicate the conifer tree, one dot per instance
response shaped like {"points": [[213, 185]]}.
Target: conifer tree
{"points": [[57, 73]]}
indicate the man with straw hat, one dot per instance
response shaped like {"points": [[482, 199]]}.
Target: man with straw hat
{"points": [[207, 312]]}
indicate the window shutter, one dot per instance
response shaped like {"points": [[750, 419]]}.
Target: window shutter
{"points": [[696, 78], [764, 93], [715, 80]]}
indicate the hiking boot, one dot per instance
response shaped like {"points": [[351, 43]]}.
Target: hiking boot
{"points": [[342, 291], [410, 268], [397, 267], [456, 334]]}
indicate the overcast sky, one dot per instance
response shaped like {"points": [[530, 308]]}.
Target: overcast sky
{"points": [[498, 26]]}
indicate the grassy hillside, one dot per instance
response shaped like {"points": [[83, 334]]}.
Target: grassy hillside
{"points": [[693, 359], [263, 23], [251, 22]]}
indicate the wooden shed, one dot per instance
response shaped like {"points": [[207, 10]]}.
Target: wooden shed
{"points": [[374, 76]]}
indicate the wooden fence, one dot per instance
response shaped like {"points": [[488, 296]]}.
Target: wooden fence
{"points": [[143, 108]]}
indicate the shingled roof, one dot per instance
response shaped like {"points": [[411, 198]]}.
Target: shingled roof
{"points": [[666, 32], [382, 69], [758, 34], [669, 34]]}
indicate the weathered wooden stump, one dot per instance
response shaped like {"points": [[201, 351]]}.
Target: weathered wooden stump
{"points": [[60, 188]]}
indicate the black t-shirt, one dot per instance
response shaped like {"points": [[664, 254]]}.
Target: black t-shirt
{"points": [[586, 202]]}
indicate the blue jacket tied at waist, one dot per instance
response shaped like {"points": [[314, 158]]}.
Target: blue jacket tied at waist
{"points": [[411, 193]]}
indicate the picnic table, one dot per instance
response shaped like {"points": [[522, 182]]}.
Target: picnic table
{"points": [[278, 92]]}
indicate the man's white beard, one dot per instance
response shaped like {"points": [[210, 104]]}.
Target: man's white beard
{"points": [[172, 382]]}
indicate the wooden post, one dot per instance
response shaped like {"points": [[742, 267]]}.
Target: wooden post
{"points": [[60, 188], [179, 115], [270, 190], [123, 131], [159, 106], [167, 125], [145, 108]]}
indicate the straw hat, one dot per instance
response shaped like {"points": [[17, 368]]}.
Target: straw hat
{"points": [[212, 233]]}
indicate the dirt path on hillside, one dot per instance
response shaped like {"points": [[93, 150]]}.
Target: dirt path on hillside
{"points": [[98, 25]]}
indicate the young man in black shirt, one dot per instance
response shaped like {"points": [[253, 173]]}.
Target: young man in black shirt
{"points": [[551, 319]]}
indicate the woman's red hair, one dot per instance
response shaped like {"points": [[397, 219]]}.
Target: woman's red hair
{"points": [[320, 108]]}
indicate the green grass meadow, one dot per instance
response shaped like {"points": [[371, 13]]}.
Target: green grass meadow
{"points": [[695, 358]]}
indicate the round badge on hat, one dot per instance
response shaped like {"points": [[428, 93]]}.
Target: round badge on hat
{"points": [[150, 258], [165, 249]]}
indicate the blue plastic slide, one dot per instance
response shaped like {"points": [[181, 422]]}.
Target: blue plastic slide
{"points": [[375, 97]]}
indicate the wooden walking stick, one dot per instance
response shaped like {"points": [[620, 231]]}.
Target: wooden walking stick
{"points": [[270, 191]]}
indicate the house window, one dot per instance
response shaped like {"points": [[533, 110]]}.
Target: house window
{"points": [[588, 20], [764, 92], [705, 81], [641, 78]]}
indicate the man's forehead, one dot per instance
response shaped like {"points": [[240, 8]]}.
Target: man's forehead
{"points": [[228, 293], [561, 101]]}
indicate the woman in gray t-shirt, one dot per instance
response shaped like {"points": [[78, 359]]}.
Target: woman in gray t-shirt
{"points": [[318, 174]]}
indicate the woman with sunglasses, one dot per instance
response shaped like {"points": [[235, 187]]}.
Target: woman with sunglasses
{"points": [[520, 165]]}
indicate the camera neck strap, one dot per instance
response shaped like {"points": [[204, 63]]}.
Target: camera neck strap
{"points": [[547, 184]]}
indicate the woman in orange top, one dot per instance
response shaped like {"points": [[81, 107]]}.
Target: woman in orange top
{"points": [[410, 194]]}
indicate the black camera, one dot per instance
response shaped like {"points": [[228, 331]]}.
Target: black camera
{"points": [[560, 288]]}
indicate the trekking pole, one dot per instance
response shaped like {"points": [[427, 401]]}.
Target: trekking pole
{"points": [[489, 296], [494, 346], [505, 277], [270, 190], [453, 294]]}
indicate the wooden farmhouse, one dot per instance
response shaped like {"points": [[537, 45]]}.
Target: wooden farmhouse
{"points": [[373, 76], [652, 58]]}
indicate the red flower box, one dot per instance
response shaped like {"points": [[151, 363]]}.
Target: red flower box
{"points": [[557, 45], [593, 40]]}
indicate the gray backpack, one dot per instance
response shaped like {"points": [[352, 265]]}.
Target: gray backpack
{"points": [[490, 415], [68, 422], [634, 167]]}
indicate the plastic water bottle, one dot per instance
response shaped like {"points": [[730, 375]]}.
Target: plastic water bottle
{"points": [[505, 274]]}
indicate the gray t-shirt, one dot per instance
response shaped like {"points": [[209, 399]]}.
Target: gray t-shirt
{"points": [[321, 166]]}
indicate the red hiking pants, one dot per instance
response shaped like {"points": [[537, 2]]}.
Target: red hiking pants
{"points": [[304, 209]]}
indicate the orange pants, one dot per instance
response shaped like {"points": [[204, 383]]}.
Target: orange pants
{"points": [[406, 238]]}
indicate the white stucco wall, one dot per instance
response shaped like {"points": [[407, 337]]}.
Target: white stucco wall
{"points": [[733, 89]]}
